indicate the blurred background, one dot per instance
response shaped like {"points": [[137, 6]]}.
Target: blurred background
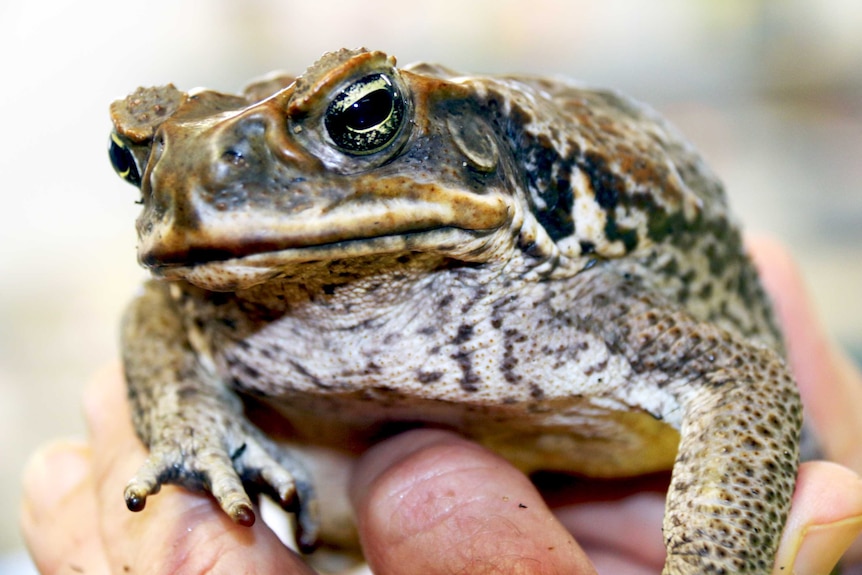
{"points": [[769, 90]]}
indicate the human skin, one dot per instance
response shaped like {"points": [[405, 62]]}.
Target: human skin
{"points": [[431, 502]]}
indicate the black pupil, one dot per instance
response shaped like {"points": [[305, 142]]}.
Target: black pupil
{"points": [[369, 111]]}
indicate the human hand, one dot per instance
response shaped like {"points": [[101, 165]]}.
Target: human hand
{"points": [[831, 389], [430, 502]]}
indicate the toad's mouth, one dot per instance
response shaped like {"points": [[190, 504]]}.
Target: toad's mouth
{"points": [[259, 252], [265, 244], [239, 273]]}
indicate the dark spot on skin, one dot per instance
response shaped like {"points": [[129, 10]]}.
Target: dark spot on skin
{"points": [[686, 280], [465, 333], [219, 298], [329, 289], [469, 379], [549, 174], [671, 268], [243, 344], [187, 392], [716, 262], [426, 377], [526, 245], [607, 185], [557, 218], [597, 368], [509, 361], [372, 367], [587, 247], [661, 223], [507, 367], [629, 237], [308, 375], [476, 297]]}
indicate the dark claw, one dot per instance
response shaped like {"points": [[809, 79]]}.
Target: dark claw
{"points": [[307, 517], [244, 515], [135, 502], [306, 543]]}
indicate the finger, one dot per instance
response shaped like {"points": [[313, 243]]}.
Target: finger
{"points": [[630, 529], [58, 511], [430, 502], [179, 531], [825, 518], [831, 387]]}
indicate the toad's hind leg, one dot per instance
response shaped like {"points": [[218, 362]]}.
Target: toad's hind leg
{"points": [[195, 428], [739, 435]]}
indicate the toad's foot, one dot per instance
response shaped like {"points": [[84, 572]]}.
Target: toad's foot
{"points": [[221, 465]]}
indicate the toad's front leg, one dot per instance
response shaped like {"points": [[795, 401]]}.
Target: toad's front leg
{"points": [[194, 425], [741, 417]]}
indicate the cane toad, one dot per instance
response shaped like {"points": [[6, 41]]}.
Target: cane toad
{"points": [[548, 269]]}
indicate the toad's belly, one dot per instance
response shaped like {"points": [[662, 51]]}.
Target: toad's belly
{"points": [[575, 435]]}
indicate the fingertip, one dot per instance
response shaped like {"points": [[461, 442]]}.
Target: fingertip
{"points": [[383, 456], [442, 504], [784, 282], [832, 491], [772, 258], [825, 518], [780, 275]]}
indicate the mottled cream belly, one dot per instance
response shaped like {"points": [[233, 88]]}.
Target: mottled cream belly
{"points": [[554, 398], [570, 435]]}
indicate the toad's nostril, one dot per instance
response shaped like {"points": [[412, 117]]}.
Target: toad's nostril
{"points": [[235, 158]]}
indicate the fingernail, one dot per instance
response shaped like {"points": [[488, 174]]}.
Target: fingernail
{"points": [[52, 473], [823, 545]]}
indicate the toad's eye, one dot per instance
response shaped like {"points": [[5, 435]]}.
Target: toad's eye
{"points": [[123, 160], [366, 116]]}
